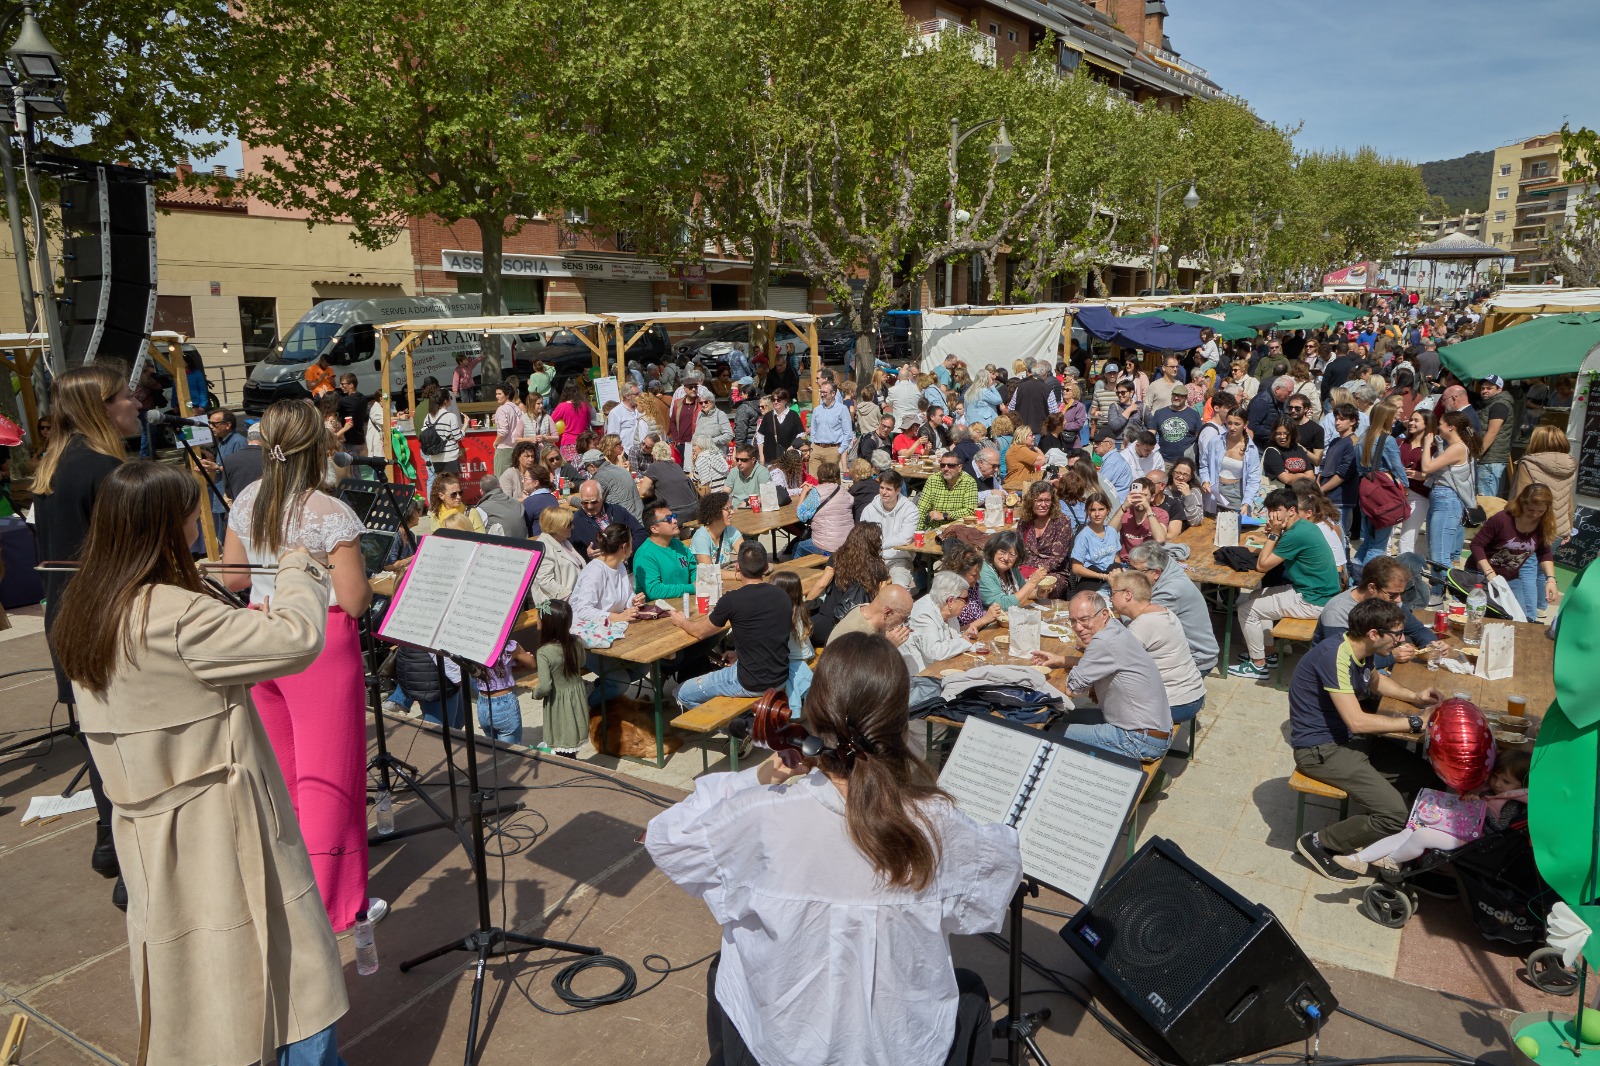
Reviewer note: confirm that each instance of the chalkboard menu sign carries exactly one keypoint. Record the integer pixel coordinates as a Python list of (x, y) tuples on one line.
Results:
[(1589, 444), (1576, 553)]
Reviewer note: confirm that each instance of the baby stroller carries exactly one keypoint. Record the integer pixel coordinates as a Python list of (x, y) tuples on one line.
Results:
[(1501, 888)]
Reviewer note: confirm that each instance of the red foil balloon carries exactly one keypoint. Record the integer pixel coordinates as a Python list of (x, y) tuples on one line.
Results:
[(1460, 745)]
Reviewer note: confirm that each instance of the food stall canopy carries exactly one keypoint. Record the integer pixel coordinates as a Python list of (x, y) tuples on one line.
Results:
[(990, 336), (1552, 302), (1248, 315), (1555, 344), (495, 325), (1455, 247), (694, 317), (1138, 332), (1228, 331)]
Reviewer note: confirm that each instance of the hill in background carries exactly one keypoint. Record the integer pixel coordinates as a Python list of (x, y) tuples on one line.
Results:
[(1462, 183)]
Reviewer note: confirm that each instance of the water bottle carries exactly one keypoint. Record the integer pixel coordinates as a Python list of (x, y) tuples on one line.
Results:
[(366, 947), (1477, 604), (385, 812)]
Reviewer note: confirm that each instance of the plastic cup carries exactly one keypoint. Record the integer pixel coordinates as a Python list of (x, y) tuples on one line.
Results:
[(918, 538), (1516, 705), (703, 604), (755, 504)]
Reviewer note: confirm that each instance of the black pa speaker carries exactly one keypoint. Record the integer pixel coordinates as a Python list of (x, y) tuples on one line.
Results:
[(1216, 975)]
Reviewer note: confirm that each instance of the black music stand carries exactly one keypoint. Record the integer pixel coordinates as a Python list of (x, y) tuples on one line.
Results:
[(486, 940)]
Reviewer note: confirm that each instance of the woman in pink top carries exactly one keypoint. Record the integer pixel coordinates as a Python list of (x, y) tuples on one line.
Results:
[(572, 416), (507, 426), (461, 382)]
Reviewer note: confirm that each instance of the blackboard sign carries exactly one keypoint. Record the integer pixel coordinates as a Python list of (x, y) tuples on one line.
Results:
[(1576, 553), (1589, 444)]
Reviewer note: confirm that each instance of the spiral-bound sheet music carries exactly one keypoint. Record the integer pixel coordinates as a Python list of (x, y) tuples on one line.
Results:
[(1067, 801)]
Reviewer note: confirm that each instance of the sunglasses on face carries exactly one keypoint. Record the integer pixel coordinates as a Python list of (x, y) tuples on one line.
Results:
[(951, 466)]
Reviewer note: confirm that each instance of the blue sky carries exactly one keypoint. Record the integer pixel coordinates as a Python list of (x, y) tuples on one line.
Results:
[(1418, 79)]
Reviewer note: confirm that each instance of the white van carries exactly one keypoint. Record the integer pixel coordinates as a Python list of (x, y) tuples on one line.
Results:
[(346, 331)]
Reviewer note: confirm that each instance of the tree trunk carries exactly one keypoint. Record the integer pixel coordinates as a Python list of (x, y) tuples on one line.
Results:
[(492, 235), (760, 281)]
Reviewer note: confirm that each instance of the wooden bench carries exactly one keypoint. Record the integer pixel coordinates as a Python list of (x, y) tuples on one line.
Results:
[(1304, 786), (1287, 633), (713, 717)]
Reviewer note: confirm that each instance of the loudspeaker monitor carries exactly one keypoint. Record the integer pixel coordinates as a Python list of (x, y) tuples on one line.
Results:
[(1216, 975)]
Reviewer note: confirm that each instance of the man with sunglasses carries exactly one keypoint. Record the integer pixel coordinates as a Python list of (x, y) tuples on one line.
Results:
[(1309, 433), (1331, 734), (747, 476), (951, 496), (663, 567), (1383, 578)]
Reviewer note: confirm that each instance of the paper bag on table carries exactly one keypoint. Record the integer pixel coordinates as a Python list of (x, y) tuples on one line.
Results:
[(1024, 626), (1496, 651), (1227, 529), (769, 496)]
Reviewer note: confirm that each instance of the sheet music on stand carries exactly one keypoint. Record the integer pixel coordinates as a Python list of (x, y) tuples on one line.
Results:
[(1067, 801), (461, 594)]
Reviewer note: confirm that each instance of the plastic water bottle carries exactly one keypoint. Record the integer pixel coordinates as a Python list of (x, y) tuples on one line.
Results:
[(366, 946), (1477, 604), (385, 812)]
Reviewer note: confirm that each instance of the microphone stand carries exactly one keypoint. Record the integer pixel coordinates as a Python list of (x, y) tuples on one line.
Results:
[(1018, 1027)]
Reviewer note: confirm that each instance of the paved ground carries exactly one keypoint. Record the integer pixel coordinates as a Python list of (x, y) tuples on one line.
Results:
[(574, 871)]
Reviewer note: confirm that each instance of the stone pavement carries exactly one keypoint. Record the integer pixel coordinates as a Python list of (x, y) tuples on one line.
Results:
[(573, 870)]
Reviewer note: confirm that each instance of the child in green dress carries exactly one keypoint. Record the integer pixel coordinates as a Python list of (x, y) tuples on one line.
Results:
[(561, 686)]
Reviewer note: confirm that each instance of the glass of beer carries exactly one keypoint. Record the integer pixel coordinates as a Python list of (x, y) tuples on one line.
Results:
[(1516, 705)]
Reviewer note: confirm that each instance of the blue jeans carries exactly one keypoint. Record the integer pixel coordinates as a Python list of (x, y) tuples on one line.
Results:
[(1374, 542), (1527, 586), (399, 697), (1490, 476), (500, 717), (318, 1049), (1185, 711), (809, 547), (799, 684), (724, 682), (1091, 729), (434, 711), (1445, 511)]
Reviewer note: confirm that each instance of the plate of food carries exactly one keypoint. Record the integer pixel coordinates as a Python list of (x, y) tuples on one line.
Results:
[(1506, 736), (1048, 582)]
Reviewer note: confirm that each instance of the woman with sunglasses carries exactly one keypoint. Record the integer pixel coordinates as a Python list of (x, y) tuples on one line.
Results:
[(445, 501)]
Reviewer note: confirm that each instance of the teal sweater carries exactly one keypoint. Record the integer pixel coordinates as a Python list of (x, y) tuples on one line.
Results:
[(991, 591), (663, 573)]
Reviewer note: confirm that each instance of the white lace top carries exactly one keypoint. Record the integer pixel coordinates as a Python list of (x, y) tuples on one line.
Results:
[(322, 525)]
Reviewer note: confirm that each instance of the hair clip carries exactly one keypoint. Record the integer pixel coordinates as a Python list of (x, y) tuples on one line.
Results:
[(277, 453)]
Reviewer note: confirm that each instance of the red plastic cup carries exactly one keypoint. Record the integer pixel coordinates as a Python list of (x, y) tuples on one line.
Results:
[(702, 604), (917, 538), (1009, 518)]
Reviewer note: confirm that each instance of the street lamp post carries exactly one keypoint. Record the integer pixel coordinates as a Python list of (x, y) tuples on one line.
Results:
[(1191, 200), (1000, 149)]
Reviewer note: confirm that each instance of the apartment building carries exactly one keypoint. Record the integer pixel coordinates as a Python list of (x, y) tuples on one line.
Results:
[(1530, 203), (1470, 223)]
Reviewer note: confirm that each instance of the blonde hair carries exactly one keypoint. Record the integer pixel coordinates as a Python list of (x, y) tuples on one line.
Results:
[(459, 520), (78, 407), (1132, 582), (294, 445), (556, 521)]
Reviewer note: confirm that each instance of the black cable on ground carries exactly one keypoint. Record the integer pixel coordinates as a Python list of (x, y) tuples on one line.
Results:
[(29, 670), (1402, 1034)]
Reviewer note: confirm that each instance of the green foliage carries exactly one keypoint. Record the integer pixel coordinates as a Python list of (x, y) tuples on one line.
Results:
[(1578, 248), (1461, 183), (143, 77)]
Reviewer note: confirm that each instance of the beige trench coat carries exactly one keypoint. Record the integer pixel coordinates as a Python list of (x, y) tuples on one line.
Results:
[(230, 947)]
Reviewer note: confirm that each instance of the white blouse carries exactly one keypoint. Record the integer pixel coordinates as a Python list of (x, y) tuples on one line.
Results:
[(321, 525), (822, 962), (600, 590)]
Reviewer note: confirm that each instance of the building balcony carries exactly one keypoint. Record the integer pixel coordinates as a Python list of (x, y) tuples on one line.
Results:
[(938, 33), (1525, 246), (1172, 59), (1533, 180)]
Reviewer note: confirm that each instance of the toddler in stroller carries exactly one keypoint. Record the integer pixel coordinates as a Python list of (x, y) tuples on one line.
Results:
[(1506, 803)]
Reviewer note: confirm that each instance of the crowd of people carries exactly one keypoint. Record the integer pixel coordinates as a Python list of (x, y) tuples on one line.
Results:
[(1354, 450)]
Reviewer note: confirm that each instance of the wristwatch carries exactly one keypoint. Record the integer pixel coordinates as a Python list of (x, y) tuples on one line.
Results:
[(1415, 722)]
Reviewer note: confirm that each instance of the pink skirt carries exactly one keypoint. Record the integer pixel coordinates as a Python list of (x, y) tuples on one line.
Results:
[(317, 721)]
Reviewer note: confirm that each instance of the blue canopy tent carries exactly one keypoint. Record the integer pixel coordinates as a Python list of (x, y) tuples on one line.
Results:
[(1153, 334)]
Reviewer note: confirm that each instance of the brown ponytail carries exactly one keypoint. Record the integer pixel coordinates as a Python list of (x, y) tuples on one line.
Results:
[(857, 707)]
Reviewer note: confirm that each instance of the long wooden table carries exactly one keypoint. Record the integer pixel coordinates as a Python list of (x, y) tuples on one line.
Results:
[(1203, 569), (648, 643), (753, 523), (1533, 676)]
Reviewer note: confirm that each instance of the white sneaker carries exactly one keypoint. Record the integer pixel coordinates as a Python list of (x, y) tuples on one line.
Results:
[(393, 709), (377, 910)]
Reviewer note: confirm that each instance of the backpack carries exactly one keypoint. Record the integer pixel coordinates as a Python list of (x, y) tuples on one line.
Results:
[(1382, 499), (432, 441)]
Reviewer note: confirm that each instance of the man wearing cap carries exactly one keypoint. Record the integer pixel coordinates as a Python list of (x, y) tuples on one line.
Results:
[(832, 428), (616, 482), (1105, 391), (1115, 470), (1497, 422), (1177, 426), (746, 410)]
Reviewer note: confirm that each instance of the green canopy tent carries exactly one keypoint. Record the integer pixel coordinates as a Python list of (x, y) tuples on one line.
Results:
[(1553, 344), (1300, 315), (1253, 315), (1337, 311), (1230, 331)]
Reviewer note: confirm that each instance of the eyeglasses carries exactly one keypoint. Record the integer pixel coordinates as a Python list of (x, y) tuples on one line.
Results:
[(952, 466), (454, 494), (1090, 618), (1396, 633)]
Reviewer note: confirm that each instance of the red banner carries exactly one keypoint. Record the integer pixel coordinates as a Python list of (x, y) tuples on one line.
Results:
[(1355, 276), (477, 459)]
